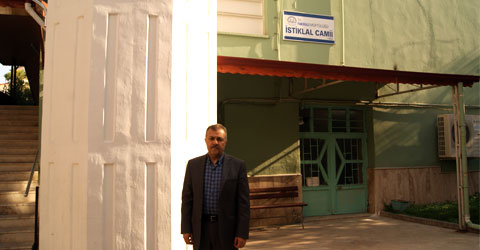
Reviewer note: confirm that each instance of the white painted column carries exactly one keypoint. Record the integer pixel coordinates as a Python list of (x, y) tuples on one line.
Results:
[(194, 91), (64, 139), (127, 98)]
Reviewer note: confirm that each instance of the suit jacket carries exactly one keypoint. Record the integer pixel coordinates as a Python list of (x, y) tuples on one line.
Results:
[(233, 201)]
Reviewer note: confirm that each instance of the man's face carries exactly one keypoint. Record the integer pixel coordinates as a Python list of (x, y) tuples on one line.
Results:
[(216, 142)]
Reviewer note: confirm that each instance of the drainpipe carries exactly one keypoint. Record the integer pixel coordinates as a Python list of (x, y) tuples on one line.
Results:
[(34, 15), (464, 165), (343, 33), (279, 28)]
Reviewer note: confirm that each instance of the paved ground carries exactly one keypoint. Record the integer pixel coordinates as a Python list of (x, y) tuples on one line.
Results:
[(361, 232)]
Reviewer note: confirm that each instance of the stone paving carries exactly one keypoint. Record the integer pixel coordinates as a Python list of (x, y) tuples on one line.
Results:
[(359, 232)]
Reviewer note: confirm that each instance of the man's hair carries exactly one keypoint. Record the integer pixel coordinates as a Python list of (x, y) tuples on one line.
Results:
[(216, 127)]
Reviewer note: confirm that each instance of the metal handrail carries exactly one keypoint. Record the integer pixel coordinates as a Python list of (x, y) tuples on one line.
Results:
[(32, 172)]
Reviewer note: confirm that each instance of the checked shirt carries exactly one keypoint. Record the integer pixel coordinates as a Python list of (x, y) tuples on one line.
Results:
[(211, 185)]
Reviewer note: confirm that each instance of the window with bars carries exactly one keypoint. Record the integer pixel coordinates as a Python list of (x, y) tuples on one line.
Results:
[(319, 120)]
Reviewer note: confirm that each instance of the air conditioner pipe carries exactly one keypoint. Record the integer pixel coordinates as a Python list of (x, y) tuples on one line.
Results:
[(466, 205)]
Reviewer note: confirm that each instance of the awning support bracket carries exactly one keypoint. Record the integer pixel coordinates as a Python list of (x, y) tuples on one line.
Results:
[(397, 90), (321, 85)]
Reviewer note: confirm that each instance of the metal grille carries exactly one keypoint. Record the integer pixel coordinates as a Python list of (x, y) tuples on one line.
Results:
[(314, 159), (349, 161)]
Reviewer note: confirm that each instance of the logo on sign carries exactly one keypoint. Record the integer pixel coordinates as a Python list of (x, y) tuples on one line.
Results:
[(291, 20)]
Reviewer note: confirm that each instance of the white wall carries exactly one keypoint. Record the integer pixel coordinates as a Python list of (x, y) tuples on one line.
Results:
[(127, 98)]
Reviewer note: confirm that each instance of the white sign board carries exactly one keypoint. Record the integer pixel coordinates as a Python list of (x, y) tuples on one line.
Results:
[(308, 27)]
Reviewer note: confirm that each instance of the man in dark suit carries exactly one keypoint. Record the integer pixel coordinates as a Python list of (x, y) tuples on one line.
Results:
[(215, 197)]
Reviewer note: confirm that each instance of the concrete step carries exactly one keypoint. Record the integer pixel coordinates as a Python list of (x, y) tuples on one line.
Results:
[(13, 221), (19, 111), (18, 117), (16, 246), (18, 146), (18, 107), (16, 123), (19, 143), (17, 175), (16, 197), (12, 167), (18, 209), (20, 129), (18, 151), (18, 234), (17, 185), (17, 158), (19, 136)]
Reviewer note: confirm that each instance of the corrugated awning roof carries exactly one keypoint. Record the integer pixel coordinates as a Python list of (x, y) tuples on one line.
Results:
[(248, 66)]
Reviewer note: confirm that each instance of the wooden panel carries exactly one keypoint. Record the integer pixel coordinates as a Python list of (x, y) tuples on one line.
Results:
[(284, 214), (274, 195), (273, 189), (416, 185), (280, 205)]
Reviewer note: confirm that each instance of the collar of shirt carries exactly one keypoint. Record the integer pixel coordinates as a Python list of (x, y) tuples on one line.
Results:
[(219, 162)]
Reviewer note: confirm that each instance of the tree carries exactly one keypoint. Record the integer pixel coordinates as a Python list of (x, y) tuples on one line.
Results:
[(21, 94)]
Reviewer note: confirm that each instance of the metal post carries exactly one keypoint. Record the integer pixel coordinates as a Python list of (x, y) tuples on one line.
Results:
[(458, 157), (463, 149), (462, 164), (14, 80), (466, 194), (11, 81)]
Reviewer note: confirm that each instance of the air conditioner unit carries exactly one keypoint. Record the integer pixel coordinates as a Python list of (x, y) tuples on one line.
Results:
[(446, 135)]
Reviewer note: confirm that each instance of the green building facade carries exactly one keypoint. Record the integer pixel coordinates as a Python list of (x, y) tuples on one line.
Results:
[(353, 146)]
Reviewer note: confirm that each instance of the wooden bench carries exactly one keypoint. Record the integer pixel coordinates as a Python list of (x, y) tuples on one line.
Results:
[(274, 193)]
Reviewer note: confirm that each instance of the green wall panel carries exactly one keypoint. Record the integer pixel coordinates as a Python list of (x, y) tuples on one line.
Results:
[(265, 136), (407, 136), (271, 46), (428, 36)]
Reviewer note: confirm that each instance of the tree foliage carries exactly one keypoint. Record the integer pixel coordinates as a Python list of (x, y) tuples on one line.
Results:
[(21, 95)]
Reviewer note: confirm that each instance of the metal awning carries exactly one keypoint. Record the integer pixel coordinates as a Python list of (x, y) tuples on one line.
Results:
[(248, 66), (338, 74)]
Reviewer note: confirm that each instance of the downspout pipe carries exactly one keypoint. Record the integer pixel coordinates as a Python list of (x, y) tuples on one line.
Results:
[(466, 205), (343, 33), (34, 15), (279, 28)]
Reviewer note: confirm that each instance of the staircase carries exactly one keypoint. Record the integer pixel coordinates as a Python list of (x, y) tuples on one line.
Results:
[(18, 145)]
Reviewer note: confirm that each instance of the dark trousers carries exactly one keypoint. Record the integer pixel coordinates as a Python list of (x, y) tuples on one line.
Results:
[(210, 238)]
